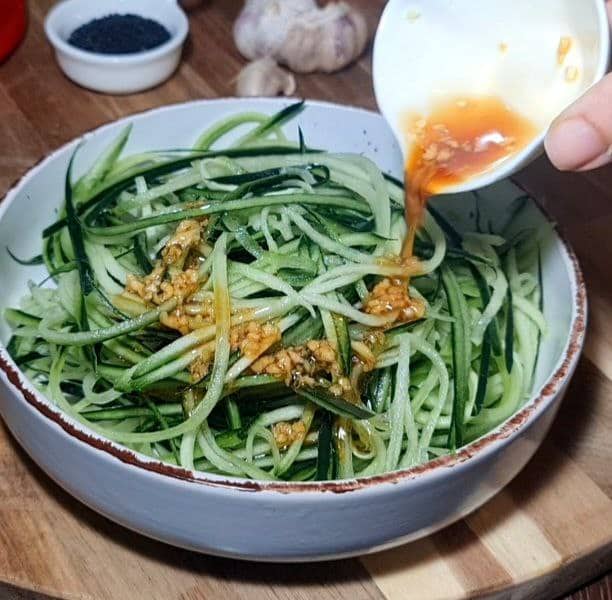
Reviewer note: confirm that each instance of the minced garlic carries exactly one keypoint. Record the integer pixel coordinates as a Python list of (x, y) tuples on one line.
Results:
[(176, 276), (155, 289), (391, 296), (200, 367), (286, 433), (254, 338), (298, 365), (186, 237)]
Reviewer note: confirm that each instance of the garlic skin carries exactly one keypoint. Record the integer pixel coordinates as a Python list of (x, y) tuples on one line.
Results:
[(300, 34), (263, 77)]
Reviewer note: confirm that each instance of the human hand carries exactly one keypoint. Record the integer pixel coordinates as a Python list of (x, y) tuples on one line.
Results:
[(580, 139)]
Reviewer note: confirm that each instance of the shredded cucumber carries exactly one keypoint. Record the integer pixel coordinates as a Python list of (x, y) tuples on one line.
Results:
[(243, 310)]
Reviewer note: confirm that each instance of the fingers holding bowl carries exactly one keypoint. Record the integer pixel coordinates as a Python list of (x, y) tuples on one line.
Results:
[(581, 137)]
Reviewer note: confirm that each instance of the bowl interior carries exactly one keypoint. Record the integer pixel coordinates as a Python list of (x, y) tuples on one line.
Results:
[(71, 14), (33, 203), (510, 49)]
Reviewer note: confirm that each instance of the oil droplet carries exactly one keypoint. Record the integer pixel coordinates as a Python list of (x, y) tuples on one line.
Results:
[(565, 45)]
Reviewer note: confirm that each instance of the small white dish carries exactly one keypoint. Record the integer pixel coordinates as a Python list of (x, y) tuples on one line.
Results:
[(427, 50), (117, 73), (277, 521)]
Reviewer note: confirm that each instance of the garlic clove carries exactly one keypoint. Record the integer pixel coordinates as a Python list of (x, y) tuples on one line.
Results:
[(263, 77)]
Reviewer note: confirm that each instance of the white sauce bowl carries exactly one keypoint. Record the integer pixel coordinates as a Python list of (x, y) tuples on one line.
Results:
[(117, 73), (428, 50)]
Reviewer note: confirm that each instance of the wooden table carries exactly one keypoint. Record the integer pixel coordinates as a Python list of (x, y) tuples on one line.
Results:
[(40, 109)]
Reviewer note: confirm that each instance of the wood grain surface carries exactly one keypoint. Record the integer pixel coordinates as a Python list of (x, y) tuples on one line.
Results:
[(547, 533)]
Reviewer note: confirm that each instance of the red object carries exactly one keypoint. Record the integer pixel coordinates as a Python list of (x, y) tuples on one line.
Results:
[(12, 25)]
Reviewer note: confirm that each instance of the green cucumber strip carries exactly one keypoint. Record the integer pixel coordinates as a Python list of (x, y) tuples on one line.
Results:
[(276, 120), (268, 182), (100, 169), (16, 317), (220, 207), (163, 422), (301, 471), (382, 390), (324, 449), (266, 174), (490, 341), (121, 413), (141, 256), (485, 296), (483, 371), (461, 354), (233, 413), (30, 262), (334, 404), (87, 338), (344, 343), (107, 196), (86, 277), (307, 329), (509, 347), (541, 307)]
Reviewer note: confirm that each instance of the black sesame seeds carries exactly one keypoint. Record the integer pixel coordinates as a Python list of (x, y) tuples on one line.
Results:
[(119, 34)]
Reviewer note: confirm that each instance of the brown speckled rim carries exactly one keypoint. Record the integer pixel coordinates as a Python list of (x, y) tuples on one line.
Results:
[(479, 448)]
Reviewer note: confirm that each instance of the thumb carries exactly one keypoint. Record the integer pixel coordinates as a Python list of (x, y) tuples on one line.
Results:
[(581, 137)]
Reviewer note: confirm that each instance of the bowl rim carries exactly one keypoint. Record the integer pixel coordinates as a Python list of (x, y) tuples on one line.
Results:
[(502, 435), (54, 16)]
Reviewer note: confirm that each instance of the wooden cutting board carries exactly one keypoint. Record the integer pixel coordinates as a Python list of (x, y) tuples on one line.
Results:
[(549, 531)]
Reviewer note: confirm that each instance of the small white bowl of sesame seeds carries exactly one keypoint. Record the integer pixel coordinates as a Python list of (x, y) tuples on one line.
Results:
[(117, 69)]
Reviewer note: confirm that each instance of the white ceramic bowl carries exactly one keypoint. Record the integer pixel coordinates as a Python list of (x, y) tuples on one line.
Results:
[(116, 73), (426, 50), (259, 520)]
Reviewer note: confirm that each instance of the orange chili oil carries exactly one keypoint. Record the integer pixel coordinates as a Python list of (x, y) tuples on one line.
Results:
[(461, 138)]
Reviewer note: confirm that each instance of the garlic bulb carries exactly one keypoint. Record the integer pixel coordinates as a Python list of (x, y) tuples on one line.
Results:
[(300, 34), (263, 77)]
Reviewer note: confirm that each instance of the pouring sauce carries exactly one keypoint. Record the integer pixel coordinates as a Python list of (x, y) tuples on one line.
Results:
[(461, 138)]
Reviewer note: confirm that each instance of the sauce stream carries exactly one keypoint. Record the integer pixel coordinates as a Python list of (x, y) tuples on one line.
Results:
[(460, 139)]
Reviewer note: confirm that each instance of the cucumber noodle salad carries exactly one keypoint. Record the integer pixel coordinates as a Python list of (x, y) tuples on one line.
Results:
[(244, 311)]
